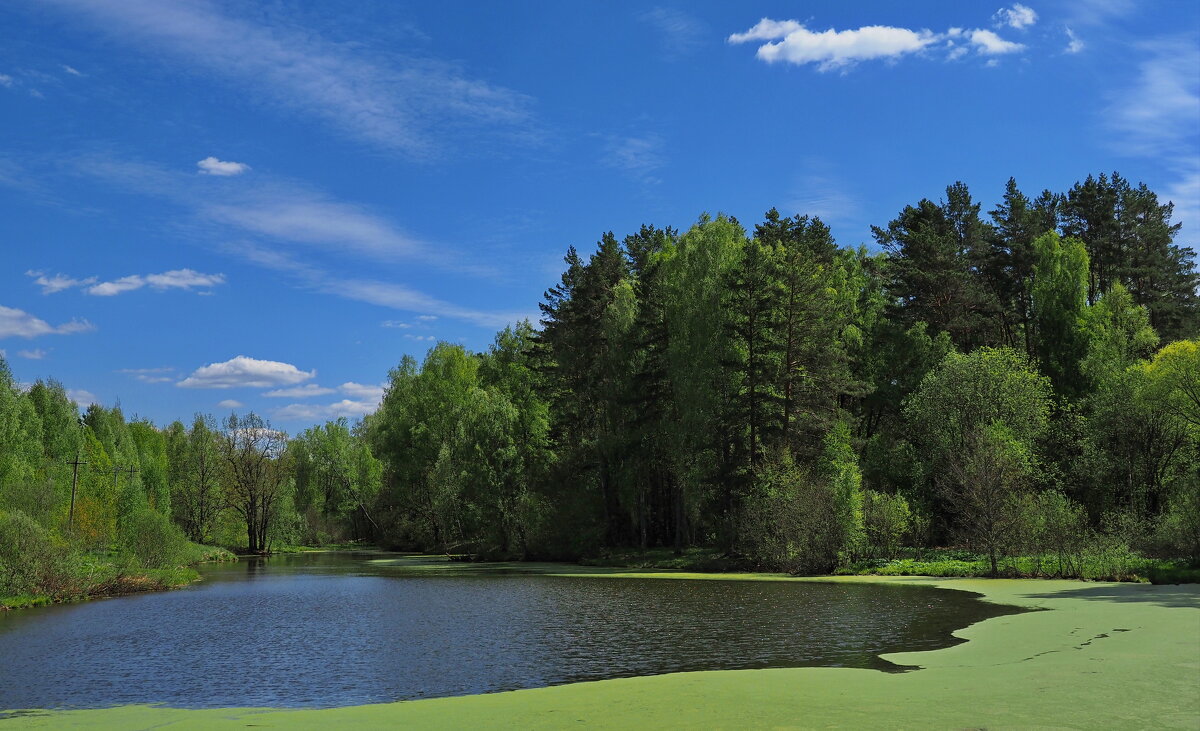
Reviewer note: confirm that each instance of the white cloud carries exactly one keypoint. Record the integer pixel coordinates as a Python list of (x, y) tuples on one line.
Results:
[(317, 412), (423, 338), (990, 44), (82, 397), (58, 282), (427, 318), (362, 391), (362, 399), (175, 279), (117, 286), (18, 323), (681, 33), (306, 391), (638, 157), (1074, 45), (230, 404), (243, 372), (832, 49), (213, 166), (1018, 16), (33, 354), (392, 102), (72, 71), (150, 375), (397, 324), (6, 81)]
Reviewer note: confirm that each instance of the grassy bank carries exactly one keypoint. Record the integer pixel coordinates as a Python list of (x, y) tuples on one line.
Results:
[(1117, 565), (93, 574), (1105, 655)]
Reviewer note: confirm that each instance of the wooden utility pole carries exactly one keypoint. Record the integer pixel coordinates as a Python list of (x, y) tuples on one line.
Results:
[(116, 470), (74, 483)]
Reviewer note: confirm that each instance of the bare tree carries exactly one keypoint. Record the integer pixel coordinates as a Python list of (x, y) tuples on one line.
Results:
[(256, 476)]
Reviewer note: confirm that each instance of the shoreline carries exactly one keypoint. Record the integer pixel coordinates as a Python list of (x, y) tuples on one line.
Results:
[(1106, 654)]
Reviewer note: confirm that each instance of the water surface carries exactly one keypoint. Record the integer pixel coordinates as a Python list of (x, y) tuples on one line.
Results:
[(325, 629)]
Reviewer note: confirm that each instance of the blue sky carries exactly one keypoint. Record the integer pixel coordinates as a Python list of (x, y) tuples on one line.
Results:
[(211, 205)]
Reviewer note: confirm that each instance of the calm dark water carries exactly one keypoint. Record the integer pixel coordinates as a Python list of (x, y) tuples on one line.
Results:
[(343, 629)]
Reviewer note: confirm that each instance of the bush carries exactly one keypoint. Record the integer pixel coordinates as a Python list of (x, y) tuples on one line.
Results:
[(790, 522), (153, 540), (30, 561), (887, 519), (1178, 531)]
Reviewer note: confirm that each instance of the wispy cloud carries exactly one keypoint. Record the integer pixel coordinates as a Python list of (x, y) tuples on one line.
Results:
[(213, 166), (58, 282), (1154, 117), (185, 279), (306, 391), (1155, 113), (1074, 44), (681, 33), (82, 397), (150, 375), (6, 81), (309, 218), (639, 157), (71, 70), (1018, 16), (244, 372), (389, 101), (21, 324), (230, 404), (33, 353), (824, 196)]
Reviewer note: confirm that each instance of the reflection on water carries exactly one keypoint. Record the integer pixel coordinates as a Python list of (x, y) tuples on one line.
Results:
[(340, 629)]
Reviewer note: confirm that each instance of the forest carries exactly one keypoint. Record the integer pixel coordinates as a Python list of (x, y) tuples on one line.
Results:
[(1021, 386)]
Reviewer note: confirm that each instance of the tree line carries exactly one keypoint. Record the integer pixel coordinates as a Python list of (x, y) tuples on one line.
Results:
[(1012, 382)]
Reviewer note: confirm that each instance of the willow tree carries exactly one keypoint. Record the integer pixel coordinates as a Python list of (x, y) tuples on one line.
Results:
[(1060, 299)]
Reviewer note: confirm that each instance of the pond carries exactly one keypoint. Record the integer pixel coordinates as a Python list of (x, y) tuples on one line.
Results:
[(335, 629)]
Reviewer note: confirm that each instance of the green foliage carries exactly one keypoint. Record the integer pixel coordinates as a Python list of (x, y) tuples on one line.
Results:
[(790, 521), (968, 393), (770, 399), (1060, 298), (151, 538), (887, 520), (30, 561)]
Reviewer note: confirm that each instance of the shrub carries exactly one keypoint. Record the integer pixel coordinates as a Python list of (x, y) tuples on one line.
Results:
[(30, 561), (153, 540), (887, 519), (1179, 527), (790, 522)]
